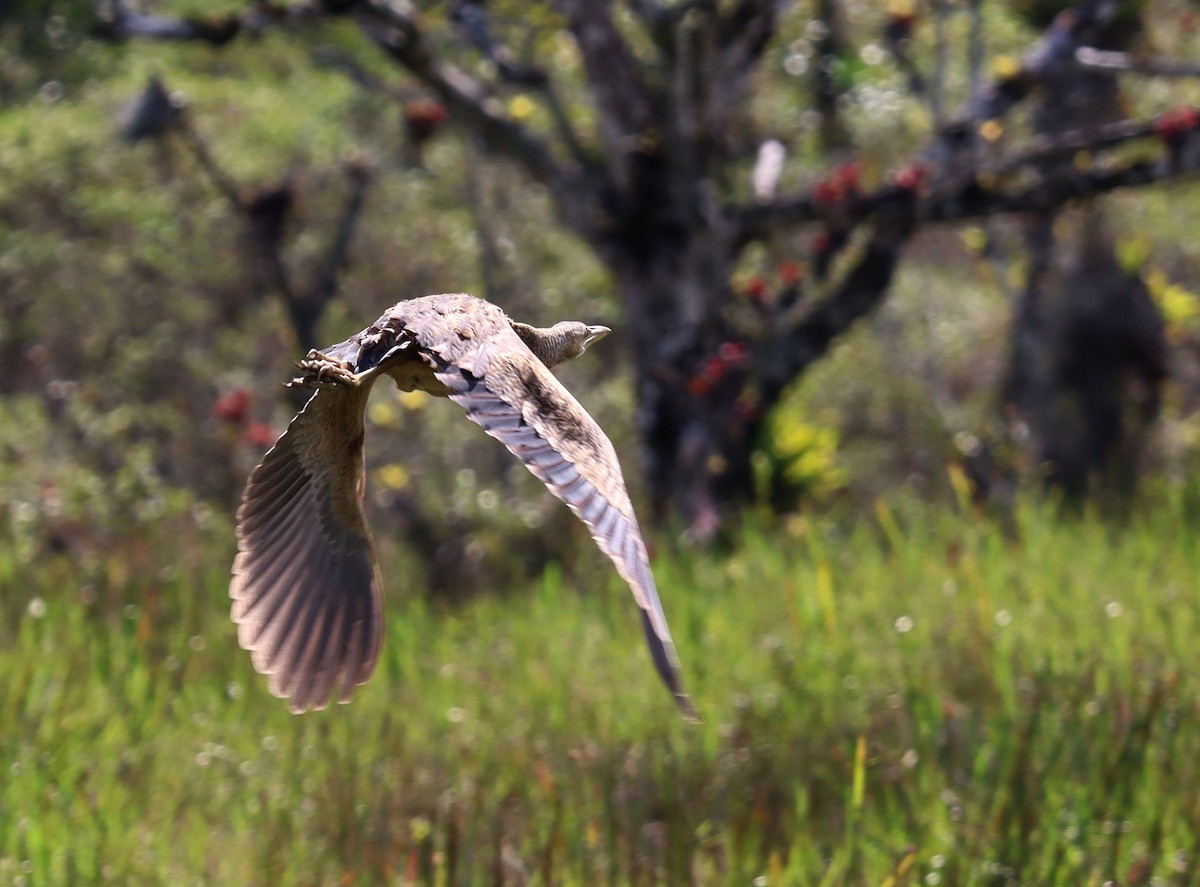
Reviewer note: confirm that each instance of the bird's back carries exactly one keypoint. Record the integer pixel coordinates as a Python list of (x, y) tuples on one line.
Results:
[(451, 326)]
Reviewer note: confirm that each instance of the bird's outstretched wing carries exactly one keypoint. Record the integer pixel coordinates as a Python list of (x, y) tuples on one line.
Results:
[(519, 402), (305, 588)]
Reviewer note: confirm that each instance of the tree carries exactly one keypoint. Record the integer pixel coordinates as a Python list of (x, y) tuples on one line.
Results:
[(1088, 344), (657, 187)]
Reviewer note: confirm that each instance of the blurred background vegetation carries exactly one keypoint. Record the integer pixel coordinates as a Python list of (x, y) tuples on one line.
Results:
[(993, 441)]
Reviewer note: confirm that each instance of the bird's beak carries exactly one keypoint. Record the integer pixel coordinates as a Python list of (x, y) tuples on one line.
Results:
[(595, 334)]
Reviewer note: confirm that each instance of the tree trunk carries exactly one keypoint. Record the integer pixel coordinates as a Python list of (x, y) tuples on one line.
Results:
[(702, 391), (673, 285), (1088, 351)]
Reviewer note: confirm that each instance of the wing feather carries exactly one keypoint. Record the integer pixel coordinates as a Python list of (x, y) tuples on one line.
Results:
[(305, 588), (597, 497), (326, 657)]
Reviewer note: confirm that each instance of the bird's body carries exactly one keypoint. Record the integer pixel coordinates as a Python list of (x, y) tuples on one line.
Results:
[(306, 589)]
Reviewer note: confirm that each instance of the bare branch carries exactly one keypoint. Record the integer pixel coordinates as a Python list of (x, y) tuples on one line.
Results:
[(563, 126), (266, 212), (331, 57), (938, 85), (1119, 62), (623, 100), (1050, 194), (395, 28), (975, 46), (1043, 149), (491, 263), (358, 176), (744, 34), (1056, 47), (862, 289), (965, 197), (228, 188), (897, 35), (118, 23), (472, 18), (830, 44)]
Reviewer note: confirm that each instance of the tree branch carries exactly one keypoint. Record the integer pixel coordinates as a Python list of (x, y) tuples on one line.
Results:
[(265, 213), (743, 36), (395, 28), (861, 290), (563, 126), (359, 176), (1119, 62), (623, 100), (1057, 46), (118, 23), (966, 197), (1042, 149), (223, 183), (937, 87), (330, 57)]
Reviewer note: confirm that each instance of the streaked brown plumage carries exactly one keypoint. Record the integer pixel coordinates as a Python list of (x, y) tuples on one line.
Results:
[(306, 589)]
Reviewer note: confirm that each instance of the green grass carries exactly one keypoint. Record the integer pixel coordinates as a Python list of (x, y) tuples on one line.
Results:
[(912, 700)]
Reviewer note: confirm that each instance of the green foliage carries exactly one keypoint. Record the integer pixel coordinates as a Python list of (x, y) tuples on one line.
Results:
[(911, 698), (45, 38), (1180, 308), (798, 461)]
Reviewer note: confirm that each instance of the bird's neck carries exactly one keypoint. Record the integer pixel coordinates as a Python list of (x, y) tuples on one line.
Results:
[(547, 346)]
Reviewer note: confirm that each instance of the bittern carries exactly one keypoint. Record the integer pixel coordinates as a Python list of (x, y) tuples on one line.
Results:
[(306, 585)]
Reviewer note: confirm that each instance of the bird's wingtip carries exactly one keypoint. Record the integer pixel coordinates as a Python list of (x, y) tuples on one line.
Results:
[(690, 714)]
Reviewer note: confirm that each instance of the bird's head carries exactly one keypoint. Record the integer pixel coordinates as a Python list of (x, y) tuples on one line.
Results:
[(564, 341)]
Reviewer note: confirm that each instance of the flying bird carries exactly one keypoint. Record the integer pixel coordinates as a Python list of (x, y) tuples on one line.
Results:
[(306, 586)]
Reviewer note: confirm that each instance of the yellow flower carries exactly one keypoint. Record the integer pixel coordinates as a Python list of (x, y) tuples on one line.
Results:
[(520, 107), (1005, 67), (383, 413), (1180, 308), (412, 400), (975, 239), (393, 476), (991, 130)]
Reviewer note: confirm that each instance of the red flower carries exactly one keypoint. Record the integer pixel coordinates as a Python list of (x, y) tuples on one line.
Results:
[(698, 386), (733, 352), (1173, 124), (756, 288), (825, 192), (713, 370), (841, 184), (789, 273), (911, 177), (260, 434), (847, 176), (233, 406), (422, 117)]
